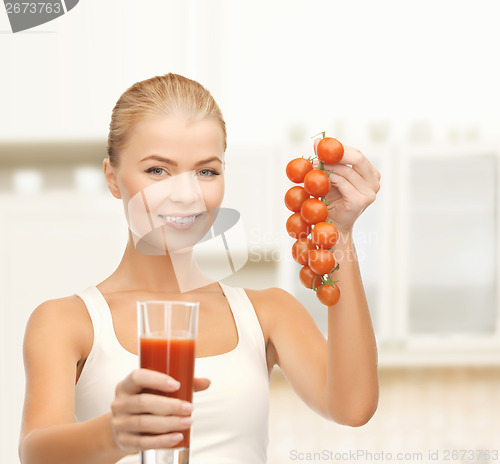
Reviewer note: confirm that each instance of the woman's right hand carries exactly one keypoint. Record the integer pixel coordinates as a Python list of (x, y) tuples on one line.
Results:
[(143, 421)]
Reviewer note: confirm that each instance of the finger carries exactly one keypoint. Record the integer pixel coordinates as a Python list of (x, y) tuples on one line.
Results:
[(316, 141), (353, 177), (148, 423), (347, 190), (146, 403), (140, 379), (361, 165), (129, 441), (200, 384)]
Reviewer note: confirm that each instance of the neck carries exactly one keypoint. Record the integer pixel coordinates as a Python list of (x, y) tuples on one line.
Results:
[(175, 272)]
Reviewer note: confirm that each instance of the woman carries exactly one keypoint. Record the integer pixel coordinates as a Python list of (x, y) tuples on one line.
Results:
[(165, 162)]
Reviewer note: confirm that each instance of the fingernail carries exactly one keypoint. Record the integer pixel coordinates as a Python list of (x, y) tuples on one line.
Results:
[(177, 437), (187, 407), (173, 384), (186, 420)]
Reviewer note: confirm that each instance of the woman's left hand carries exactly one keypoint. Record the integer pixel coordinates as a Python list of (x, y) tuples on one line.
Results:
[(354, 188)]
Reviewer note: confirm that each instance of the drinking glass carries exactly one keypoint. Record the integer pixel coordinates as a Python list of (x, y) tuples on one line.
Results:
[(167, 333)]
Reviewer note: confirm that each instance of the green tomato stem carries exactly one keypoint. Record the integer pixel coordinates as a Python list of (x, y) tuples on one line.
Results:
[(322, 281), (322, 136)]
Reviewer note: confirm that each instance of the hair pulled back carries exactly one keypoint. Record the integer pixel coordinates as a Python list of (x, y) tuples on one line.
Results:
[(160, 95)]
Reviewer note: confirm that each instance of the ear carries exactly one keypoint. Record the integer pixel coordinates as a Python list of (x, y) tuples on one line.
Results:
[(110, 177)]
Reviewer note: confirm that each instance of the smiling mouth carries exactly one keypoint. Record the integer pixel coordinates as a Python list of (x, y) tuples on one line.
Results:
[(180, 219)]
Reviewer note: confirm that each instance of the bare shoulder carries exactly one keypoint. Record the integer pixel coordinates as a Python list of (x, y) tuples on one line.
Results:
[(59, 311), (274, 305), (273, 299), (284, 321), (61, 319)]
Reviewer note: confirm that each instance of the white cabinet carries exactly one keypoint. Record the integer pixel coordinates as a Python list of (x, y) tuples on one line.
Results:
[(445, 306), (451, 245)]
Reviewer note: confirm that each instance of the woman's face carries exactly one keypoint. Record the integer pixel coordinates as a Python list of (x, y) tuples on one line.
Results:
[(170, 177)]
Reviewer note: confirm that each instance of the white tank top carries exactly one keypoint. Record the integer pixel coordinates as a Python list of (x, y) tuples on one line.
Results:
[(230, 418)]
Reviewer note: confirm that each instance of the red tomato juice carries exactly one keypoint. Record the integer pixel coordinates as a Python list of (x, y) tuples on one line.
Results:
[(174, 357)]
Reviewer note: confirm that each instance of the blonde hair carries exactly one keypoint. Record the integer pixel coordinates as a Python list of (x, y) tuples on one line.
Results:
[(159, 95)]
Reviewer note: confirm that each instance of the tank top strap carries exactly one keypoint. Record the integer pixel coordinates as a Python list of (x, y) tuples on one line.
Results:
[(246, 320), (99, 313)]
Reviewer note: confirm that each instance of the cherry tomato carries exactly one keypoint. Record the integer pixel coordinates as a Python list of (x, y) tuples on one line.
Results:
[(295, 197), (308, 278), (321, 261), (297, 227), (317, 183), (297, 169), (324, 235), (328, 294), (330, 150), (313, 210), (301, 249)]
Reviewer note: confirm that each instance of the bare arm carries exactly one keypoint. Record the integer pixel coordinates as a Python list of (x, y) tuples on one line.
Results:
[(87, 442), (337, 377), (49, 435), (352, 379), (351, 375)]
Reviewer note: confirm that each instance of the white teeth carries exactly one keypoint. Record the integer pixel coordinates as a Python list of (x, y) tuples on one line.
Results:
[(179, 220)]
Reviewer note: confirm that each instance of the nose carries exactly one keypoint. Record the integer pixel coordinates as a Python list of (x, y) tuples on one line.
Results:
[(185, 188)]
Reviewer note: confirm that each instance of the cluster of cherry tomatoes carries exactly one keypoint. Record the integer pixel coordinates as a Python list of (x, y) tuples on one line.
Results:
[(309, 224)]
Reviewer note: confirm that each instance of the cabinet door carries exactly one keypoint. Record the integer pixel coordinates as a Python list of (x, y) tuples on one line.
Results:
[(451, 245)]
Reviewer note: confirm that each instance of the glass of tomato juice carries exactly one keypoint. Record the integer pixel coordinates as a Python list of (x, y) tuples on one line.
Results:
[(167, 332)]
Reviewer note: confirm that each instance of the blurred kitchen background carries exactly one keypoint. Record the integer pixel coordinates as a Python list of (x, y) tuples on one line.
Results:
[(413, 85)]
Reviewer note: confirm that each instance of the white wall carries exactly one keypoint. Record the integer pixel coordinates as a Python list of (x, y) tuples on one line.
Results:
[(270, 64)]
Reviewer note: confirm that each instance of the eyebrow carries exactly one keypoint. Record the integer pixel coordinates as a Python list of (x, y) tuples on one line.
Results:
[(173, 163)]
